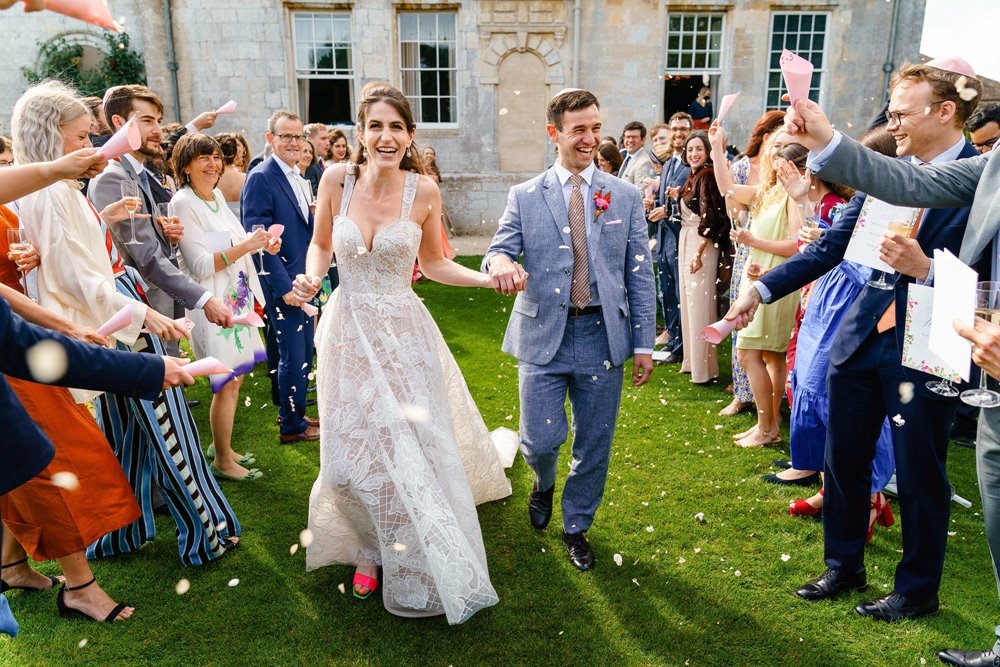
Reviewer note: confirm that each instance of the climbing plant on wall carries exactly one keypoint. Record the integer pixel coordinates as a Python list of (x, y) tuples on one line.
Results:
[(63, 58)]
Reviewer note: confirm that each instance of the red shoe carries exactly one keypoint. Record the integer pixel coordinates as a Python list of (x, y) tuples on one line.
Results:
[(801, 508), (883, 515)]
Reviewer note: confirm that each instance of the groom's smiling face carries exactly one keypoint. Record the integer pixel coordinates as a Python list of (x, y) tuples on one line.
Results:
[(578, 138)]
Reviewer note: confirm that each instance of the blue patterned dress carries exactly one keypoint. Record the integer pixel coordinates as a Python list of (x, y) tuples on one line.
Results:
[(741, 383)]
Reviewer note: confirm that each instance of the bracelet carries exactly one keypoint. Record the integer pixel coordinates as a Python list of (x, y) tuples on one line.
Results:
[(225, 259)]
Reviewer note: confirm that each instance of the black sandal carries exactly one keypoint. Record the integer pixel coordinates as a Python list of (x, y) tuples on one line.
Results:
[(68, 612), (4, 586)]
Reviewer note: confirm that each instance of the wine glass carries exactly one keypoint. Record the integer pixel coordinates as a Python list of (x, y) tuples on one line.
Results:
[(903, 228), (988, 308), (19, 245), (163, 217), (130, 193), (263, 271), (810, 214)]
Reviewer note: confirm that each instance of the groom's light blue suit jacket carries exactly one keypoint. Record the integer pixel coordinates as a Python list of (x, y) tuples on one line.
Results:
[(535, 225)]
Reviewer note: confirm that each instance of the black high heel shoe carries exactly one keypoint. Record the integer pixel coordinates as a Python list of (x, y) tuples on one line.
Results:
[(68, 612), (4, 586)]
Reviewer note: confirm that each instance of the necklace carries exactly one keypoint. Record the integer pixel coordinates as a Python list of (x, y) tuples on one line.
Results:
[(205, 201)]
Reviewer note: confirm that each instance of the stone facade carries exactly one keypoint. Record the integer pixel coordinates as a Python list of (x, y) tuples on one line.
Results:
[(512, 55)]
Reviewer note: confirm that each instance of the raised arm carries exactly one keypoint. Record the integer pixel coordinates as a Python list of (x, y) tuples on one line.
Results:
[(20, 180), (733, 192)]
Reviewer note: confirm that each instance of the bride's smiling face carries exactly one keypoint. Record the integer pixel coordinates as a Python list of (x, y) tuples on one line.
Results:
[(384, 135)]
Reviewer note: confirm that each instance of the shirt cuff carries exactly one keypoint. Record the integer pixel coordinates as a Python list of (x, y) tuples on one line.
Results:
[(765, 294), (817, 161), (929, 280), (191, 128), (642, 350), (203, 300)]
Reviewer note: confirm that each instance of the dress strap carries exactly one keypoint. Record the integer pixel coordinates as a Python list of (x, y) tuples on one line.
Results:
[(409, 194), (349, 178)]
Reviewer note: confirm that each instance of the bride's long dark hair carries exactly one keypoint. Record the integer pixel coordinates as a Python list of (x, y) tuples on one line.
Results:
[(380, 91)]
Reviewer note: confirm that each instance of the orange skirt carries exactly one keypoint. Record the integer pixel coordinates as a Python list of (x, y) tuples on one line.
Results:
[(49, 521)]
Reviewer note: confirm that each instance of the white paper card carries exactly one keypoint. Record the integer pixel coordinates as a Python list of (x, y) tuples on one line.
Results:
[(954, 299), (917, 353), (873, 223), (218, 241)]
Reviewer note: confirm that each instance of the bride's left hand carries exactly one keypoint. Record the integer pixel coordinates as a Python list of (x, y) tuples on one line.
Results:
[(305, 287)]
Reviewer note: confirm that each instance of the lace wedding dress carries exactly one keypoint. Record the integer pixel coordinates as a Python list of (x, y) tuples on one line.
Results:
[(404, 454)]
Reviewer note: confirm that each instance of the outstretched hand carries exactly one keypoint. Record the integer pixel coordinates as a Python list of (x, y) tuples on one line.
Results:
[(795, 182), (745, 308), (174, 374), (84, 163)]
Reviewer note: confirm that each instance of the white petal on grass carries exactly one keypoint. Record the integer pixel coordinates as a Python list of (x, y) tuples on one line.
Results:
[(635, 581), (738, 573), (697, 550), (233, 583), (306, 537), (47, 361), (649, 529), (785, 558), (246, 401), (700, 517), (82, 643), (182, 587), (341, 588), (681, 560), (66, 480), (618, 559)]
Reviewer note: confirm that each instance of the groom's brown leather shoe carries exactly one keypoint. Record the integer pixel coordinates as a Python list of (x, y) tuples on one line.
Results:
[(580, 553), (540, 506)]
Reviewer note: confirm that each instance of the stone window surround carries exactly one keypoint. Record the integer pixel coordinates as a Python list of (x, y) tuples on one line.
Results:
[(431, 8)]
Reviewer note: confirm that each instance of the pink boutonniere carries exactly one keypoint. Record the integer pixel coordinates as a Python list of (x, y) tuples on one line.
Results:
[(602, 200)]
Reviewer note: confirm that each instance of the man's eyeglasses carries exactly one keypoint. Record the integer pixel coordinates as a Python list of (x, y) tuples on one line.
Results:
[(289, 138), (986, 144), (895, 117)]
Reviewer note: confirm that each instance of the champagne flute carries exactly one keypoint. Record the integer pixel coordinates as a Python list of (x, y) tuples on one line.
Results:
[(263, 271), (988, 308), (19, 245), (163, 217), (130, 193), (810, 214), (903, 228)]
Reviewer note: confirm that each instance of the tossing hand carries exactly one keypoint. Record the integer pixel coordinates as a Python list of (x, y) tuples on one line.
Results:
[(904, 255), (84, 163), (204, 120), (164, 327), (174, 374), (217, 313), (642, 369), (985, 338), (809, 125)]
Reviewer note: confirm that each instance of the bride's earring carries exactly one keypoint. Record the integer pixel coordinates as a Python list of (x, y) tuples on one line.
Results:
[(409, 153)]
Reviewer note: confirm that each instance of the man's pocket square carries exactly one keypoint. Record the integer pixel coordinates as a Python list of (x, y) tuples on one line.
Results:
[(613, 222)]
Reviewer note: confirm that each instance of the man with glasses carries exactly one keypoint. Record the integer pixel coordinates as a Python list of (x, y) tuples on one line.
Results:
[(984, 127), (272, 195)]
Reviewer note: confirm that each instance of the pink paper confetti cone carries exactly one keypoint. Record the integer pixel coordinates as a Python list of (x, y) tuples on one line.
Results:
[(797, 73), (206, 366), (310, 309), (716, 333), (228, 107), (94, 12), (117, 322), (250, 319), (725, 104), (276, 231), (126, 139)]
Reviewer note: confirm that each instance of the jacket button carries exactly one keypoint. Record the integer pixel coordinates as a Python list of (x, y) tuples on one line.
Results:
[(566, 271), (563, 306)]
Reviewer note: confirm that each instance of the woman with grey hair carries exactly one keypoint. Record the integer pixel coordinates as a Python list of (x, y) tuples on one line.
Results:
[(83, 278)]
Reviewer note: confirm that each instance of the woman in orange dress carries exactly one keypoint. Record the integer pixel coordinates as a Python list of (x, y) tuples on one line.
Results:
[(47, 521)]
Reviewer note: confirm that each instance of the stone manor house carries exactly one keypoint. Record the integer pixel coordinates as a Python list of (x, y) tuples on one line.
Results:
[(479, 72)]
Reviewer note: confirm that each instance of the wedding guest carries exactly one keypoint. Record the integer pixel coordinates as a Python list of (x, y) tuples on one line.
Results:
[(307, 160), (83, 279), (232, 179), (984, 127), (608, 139), (6, 151), (338, 146), (761, 347), (318, 136), (703, 240), (216, 252), (745, 171), (242, 159), (701, 109), (633, 141), (609, 159), (272, 195), (428, 154)]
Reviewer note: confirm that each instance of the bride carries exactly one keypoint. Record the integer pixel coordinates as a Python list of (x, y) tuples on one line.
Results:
[(404, 453)]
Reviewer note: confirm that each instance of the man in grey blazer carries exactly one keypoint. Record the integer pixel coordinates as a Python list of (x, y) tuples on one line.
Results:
[(972, 181), (170, 290), (590, 304)]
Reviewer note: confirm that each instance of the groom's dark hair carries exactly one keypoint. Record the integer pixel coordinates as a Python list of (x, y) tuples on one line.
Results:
[(571, 100)]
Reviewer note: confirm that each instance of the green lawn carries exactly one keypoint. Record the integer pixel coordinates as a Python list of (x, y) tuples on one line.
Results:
[(717, 592)]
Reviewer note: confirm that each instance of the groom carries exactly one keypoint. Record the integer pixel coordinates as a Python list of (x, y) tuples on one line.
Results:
[(589, 305)]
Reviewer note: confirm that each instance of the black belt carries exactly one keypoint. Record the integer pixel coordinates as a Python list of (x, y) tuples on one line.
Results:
[(589, 310)]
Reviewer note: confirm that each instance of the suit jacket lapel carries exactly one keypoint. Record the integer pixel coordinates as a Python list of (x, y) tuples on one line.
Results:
[(286, 187), (552, 192)]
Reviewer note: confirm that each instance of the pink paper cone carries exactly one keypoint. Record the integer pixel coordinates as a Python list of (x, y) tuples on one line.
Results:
[(310, 309), (716, 333), (276, 231), (228, 107), (727, 101), (92, 11), (118, 321), (206, 366), (797, 72), (126, 139), (250, 319)]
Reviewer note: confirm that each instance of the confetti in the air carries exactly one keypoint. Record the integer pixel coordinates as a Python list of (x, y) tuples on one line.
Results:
[(306, 537), (47, 361)]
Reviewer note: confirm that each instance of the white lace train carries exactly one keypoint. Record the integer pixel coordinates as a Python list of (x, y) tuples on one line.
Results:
[(404, 454)]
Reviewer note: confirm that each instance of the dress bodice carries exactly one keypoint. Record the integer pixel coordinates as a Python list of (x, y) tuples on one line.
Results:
[(387, 267)]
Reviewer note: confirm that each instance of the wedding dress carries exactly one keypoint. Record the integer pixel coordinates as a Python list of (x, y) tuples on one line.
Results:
[(404, 454)]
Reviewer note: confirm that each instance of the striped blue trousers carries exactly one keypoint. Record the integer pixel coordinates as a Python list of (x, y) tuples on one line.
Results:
[(157, 441)]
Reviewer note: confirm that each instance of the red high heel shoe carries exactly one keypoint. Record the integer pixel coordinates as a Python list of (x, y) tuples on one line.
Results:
[(883, 515), (800, 507)]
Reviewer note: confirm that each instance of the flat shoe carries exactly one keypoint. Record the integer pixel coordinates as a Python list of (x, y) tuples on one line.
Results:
[(246, 459), (808, 480), (782, 463), (252, 474)]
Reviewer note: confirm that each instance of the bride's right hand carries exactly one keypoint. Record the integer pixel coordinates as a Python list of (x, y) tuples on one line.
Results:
[(305, 287)]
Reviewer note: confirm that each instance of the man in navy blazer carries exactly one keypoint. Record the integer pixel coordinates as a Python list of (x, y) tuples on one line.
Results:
[(925, 115), (273, 194)]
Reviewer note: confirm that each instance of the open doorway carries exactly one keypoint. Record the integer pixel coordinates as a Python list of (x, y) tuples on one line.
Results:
[(680, 90)]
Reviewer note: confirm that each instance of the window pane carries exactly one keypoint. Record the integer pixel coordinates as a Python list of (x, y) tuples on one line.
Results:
[(713, 60), (673, 61), (446, 27), (687, 42), (674, 42), (806, 23), (686, 61), (675, 23), (701, 23), (302, 57), (303, 28), (699, 60), (821, 23), (716, 23), (427, 27), (409, 52), (428, 56), (411, 83), (323, 29), (428, 83), (445, 56), (445, 83), (408, 27), (428, 110), (342, 31), (779, 23), (324, 57), (688, 24), (343, 59), (448, 109)]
